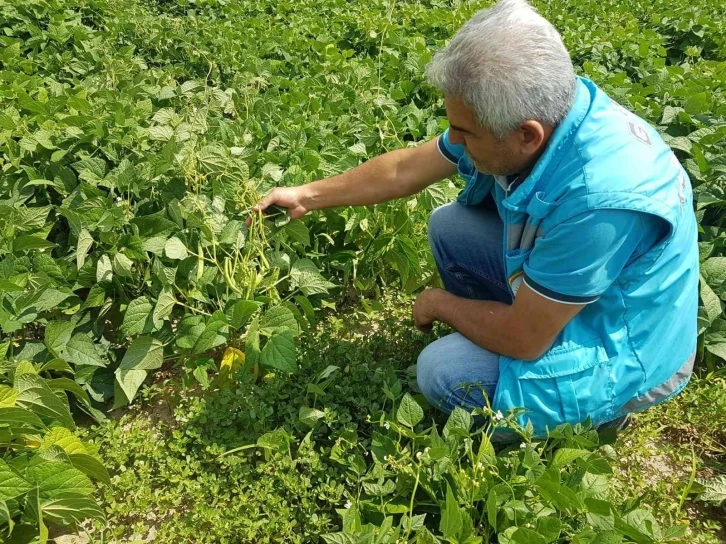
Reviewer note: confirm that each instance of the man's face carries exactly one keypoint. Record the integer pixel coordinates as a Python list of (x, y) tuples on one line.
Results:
[(489, 154)]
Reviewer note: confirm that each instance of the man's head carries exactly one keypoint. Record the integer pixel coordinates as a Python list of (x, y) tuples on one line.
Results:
[(508, 81)]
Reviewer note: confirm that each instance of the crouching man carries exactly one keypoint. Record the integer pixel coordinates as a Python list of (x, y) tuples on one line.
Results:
[(569, 260)]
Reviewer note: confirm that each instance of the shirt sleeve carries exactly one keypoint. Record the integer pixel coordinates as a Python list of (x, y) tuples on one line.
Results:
[(580, 258), (451, 152)]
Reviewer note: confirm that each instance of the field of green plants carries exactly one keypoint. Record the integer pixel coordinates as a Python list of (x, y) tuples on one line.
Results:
[(168, 374)]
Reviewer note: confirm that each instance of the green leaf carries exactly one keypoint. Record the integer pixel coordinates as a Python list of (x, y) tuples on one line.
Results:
[(549, 527), (70, 508), (127, 384), (189, 330), (298, 232), (213, 335), (640, 525), (175, 249), (80, 350), (565, 456), (66, 384), (137, 318), (714, 271), (309, 415), (122, 265), (145, 353), (278, 319), (279, 352), (306, 277), (11, 483), (526, 536), (104, 269), (162, 133), (20, 420), (23, 243), (599, 514), (6, 517), (64, 439), (8, 395), (458, 424), (35, 395), (711, 302), (90, 466), (451, 522), (409, 412), (164, 307), (240, 312), (492, 508), (57, 335), (54, 479), (712, 489)]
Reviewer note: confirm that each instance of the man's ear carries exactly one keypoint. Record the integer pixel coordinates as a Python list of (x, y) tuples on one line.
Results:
[(532, 136)]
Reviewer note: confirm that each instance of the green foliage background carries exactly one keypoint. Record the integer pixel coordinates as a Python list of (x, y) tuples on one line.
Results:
[(136, 135)]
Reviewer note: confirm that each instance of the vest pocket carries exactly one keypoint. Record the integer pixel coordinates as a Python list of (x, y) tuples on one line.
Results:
[(563, 386)]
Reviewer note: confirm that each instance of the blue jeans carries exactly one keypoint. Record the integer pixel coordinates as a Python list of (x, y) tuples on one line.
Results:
[(467, 245)]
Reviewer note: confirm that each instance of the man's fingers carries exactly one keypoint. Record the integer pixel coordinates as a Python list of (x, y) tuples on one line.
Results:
[(262, 205), (266, 202)]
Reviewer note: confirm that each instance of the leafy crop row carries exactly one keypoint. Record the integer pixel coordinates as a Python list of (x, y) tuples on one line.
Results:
[(136, 136)]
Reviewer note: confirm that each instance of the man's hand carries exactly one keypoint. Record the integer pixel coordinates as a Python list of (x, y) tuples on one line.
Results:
[(424, 309), (293, 198)]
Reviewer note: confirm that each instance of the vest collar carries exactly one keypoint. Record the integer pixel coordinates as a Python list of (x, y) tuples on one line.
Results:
[(561, 139)]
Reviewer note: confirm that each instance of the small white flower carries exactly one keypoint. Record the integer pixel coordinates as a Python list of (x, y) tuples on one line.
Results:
[(498, 416), (365, 453), (418, 455), (387, 425), (119, 199), (347, 505), (522, 445)]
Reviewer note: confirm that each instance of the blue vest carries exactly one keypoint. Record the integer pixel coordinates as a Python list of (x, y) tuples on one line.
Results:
[(634, 346)]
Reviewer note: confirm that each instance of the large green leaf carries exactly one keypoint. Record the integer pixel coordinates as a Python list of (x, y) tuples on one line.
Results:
[(20, 420), (451, 522), (145, 353), (164, 306), (138, 318), (189, 330), (11, 483), (175, 248), (240, 312), (53, 478), (279, 352), (85, 241), (80, 350), (57, 335), (34, 394), (90, 466), (409, 412), (126, 385), (63, 438), (306, 277), (213, 335), (70, 508), (278, 319)]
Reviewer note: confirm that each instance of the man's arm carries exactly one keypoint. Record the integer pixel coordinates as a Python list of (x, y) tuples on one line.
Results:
[(392, 175), (524, 330)]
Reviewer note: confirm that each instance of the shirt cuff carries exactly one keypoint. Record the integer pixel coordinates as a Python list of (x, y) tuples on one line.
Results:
[(557, 297), (445, 152)]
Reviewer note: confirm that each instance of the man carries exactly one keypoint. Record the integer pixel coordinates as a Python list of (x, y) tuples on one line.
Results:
[(570, 258)]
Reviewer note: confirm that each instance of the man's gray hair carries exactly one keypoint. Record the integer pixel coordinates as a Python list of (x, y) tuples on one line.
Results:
[(508, 64)]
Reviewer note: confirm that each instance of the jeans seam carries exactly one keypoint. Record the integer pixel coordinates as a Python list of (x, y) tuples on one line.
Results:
[(477, 273)]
